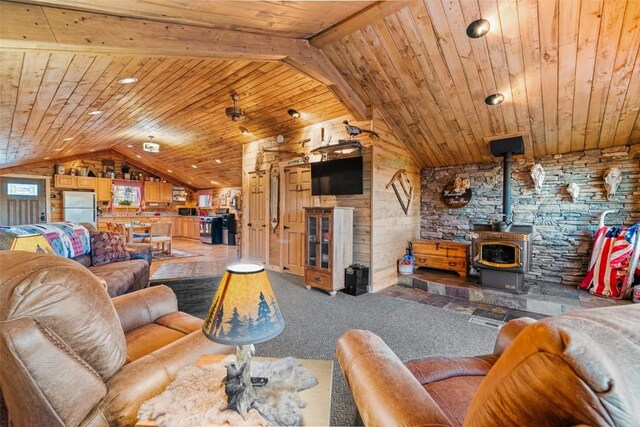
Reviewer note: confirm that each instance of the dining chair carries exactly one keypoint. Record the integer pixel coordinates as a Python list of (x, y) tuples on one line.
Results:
[(160, 233), (111, 226)]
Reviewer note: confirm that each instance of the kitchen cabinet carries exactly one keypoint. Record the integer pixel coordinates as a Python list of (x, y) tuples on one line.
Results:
[(191, 227), (158, 192), (176, 228), (65, 181), (103, 189), (85, 183), (328, 247)]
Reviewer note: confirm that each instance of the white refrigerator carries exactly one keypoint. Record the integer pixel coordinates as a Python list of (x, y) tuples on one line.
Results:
[(79, 206)]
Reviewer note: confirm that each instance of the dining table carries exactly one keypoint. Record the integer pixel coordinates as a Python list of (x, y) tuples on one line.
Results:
[(137, 228)]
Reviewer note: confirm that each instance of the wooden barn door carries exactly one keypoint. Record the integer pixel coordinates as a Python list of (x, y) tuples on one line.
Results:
[(297, 194), (258, 218), (22, 201)]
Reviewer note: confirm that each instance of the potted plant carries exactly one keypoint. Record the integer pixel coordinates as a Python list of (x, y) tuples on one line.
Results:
[(124, 202)]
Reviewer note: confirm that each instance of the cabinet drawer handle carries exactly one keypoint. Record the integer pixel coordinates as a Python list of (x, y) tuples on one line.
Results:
[(317, 278), (422, 260), (452, 263)]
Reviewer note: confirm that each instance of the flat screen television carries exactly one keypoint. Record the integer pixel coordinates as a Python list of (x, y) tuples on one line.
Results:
[(337, 177)]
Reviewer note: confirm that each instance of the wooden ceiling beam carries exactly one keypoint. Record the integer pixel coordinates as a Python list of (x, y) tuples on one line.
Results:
[(34, 27), (358, 21)]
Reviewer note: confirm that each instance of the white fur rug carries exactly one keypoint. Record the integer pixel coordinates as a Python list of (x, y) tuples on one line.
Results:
[(196, 396)]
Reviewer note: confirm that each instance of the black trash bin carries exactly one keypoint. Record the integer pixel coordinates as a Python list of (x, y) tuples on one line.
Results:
[(356, 279)]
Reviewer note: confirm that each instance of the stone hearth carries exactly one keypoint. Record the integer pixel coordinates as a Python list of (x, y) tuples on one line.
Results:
[(548, 299)]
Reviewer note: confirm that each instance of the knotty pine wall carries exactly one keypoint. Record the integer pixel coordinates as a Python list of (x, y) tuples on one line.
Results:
[(381, 229), (362, 203), (94, 165), (392, 228)]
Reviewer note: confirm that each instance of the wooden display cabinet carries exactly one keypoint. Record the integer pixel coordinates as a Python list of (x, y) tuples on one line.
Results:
[(328, 247)]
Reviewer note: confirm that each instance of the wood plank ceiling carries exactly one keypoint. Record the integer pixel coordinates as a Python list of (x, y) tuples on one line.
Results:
[(569, 70), (46, 95)]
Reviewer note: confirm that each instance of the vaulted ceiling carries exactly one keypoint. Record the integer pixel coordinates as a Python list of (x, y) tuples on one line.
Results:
[(569, 71)]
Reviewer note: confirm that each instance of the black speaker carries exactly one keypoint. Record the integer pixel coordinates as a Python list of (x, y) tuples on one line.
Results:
[(513, 145), (356, 280)]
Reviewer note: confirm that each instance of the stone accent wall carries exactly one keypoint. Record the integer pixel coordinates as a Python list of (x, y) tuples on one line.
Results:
[(563, 230)]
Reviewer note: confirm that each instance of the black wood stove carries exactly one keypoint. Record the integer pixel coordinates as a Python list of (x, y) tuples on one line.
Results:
[(502, 251)]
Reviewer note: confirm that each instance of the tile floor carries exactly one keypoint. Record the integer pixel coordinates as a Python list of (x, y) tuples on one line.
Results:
[(459, 304)]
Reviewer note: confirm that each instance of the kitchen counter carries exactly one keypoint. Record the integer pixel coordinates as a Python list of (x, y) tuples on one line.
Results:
[(183, 225)]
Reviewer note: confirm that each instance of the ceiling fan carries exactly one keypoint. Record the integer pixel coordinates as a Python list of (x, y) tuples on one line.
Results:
[(235, 112)]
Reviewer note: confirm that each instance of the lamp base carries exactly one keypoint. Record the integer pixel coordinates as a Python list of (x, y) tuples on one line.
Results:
[(238, 387)]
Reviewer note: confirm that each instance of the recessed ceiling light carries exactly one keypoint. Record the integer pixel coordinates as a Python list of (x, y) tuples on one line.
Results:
[(218, 161), (92, 150), (47, 158), (194, 166), (128, 80), (293, 113), (94, 113), (214, 182), (58, 149), (169, 170), (494, 99), (69, 138), (138, 156), (129, 146), (478, 28)]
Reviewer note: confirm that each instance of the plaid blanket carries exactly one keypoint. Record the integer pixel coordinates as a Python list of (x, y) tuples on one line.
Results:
[(67, 239)]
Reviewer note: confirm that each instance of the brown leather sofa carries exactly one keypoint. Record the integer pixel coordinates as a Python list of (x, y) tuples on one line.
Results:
[(73, 356), (580, 368)]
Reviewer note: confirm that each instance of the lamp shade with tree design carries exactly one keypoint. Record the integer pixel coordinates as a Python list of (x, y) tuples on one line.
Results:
[(244, 311)]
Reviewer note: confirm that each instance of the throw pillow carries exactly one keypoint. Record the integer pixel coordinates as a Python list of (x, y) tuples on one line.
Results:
[(107, 247)]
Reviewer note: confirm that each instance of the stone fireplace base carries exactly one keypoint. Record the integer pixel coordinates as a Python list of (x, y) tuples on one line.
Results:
[(545, 298)]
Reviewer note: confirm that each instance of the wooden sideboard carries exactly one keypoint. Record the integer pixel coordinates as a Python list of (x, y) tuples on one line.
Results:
[(442, 254)]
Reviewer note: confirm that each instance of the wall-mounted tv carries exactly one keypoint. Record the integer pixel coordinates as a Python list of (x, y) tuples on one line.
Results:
[(337, 177)]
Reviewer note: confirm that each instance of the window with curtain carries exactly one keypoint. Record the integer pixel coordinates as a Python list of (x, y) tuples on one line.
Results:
[(126, 195)]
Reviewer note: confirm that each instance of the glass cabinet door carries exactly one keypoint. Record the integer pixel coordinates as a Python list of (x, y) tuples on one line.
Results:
[(324, 242), (312, 231)]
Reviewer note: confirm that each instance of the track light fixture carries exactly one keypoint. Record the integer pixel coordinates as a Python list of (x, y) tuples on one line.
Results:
[(478, 28)]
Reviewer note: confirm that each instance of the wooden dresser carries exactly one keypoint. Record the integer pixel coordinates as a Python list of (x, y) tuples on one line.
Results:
[(442, 254)]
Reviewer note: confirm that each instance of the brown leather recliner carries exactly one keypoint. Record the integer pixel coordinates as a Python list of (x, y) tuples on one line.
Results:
[(580, 368), (73, 356)]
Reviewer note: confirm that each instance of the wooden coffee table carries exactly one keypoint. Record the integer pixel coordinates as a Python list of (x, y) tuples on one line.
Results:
[(318, 398)]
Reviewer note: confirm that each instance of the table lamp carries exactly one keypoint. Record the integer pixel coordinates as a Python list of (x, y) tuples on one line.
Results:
[(244, 311), (25, 242)]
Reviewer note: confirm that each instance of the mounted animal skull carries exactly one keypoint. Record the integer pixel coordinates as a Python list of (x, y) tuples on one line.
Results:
[(537, 176), (612, 179), (574, 191)]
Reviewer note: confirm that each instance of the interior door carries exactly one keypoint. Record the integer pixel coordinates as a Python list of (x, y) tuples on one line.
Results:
[(258, 217), (22, 201), (297, 195)]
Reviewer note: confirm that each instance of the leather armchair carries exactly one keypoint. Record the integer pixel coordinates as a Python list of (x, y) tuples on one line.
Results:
[(73, 356), (580, 368)]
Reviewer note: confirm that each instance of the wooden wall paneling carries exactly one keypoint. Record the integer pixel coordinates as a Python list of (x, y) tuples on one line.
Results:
[(631, 109), (610, 27), (528, 21), (625, 60), (548, 31), (568, 21), (391, 228), (589, 30)]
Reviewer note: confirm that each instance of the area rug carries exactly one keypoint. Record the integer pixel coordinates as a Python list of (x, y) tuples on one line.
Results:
[(175, 253), (196, 397)]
